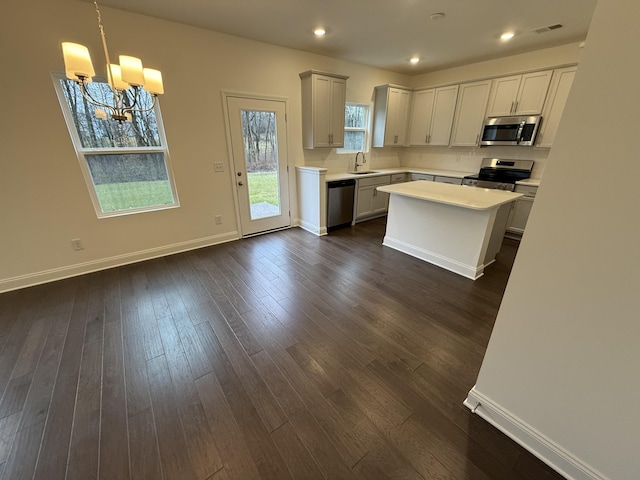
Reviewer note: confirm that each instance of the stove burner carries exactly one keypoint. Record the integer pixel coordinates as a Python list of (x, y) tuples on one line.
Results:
[(499, 174)]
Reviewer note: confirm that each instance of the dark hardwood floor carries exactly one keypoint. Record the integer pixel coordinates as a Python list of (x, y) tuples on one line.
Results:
[(275, 357)]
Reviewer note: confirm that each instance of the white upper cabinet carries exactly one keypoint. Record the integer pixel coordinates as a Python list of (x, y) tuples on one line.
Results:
[(432, 116), (519, 94), (323, 103), (554, 106), (390, 115), (469, 117)]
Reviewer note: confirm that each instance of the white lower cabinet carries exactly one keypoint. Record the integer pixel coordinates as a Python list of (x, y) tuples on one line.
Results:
[(422, 176), (369, 202), (521, 209), (398, 178), (451, 180)]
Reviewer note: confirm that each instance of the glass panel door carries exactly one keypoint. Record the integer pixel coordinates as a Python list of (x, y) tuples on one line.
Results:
[(258, 142)]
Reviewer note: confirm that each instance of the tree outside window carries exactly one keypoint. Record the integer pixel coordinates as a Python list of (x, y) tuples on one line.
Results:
[(126, 165), (356, 128)]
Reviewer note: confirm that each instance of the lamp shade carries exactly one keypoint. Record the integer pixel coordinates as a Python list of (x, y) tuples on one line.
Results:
[(132, 72), (77, 61), (114, 75), (153, 81)]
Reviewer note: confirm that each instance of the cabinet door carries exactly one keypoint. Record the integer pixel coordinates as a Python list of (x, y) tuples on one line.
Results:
[(519, 214), (364, 205), (470, 109), (380, 202), (321, 111), (444, 108), (422, 176), (338, 96), (450, 180), (397, 113), (532, 92), (504, 92), (554, 106), (402, 119), (421, 117), (391, 121)]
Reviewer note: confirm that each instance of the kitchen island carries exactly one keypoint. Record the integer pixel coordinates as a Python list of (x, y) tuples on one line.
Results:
[(456, 227)]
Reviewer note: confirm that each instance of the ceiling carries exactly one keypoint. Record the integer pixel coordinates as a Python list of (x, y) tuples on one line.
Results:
[(386, 33)]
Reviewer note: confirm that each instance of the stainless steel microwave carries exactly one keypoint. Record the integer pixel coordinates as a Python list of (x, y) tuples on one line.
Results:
[(520, 131)]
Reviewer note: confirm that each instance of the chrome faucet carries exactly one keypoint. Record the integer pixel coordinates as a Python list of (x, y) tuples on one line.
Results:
[(364, 160)]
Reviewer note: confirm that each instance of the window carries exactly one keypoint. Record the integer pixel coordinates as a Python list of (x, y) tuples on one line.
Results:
[(126, 165), (356, 126)]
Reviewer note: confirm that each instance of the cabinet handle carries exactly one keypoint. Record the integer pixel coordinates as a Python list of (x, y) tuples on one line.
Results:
[(429, 139), (426, 139), (511, 109), (515, 108), (477, 139)]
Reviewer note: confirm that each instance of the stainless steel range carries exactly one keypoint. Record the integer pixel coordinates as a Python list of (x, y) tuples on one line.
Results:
[(500, 174)]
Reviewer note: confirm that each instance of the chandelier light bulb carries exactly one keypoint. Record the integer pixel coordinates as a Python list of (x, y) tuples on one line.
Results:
[(77, 61), (129, 74)]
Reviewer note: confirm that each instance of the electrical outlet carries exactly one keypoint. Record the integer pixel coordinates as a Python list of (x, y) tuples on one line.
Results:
[(218, 219), (76, 244), (218, 167)]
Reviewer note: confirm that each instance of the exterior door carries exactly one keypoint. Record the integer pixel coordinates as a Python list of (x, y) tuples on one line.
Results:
[(258, 134)]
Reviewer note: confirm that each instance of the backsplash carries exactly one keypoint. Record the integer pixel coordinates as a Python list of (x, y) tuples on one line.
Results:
[(468, 159), (344, 162), (457, 159)]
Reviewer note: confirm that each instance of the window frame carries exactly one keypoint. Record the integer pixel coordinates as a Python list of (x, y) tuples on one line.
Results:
[(81, 153), (365, 129)]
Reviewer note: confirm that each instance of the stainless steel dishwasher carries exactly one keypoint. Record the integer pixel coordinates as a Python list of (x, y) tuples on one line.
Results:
[(340, 195)]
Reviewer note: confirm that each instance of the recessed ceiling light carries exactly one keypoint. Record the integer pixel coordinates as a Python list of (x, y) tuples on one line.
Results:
[(414, 60), (506, 36), (319, 31)]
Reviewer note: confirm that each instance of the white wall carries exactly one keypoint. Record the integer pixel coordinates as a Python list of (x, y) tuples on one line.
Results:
[(564, 355), (43, 198), (538, 60)]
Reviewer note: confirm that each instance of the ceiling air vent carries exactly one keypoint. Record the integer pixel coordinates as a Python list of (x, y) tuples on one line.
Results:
[(547, 28)]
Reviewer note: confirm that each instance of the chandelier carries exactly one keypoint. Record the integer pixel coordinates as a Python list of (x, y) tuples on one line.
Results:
[(128, 75)]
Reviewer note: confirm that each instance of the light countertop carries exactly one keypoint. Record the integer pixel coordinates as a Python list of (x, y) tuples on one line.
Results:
[(531, 182), (390, 171), (330, 177), (466, 197)]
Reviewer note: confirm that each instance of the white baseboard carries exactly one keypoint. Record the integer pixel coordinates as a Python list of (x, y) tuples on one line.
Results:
[(313, 228), (37, 278), (468, 271), (537, 443)]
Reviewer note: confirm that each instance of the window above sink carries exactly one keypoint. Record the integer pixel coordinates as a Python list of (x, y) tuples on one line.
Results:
[(356, 129)]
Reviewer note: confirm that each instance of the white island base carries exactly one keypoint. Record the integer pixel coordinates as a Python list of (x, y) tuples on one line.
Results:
[(456, 227)]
